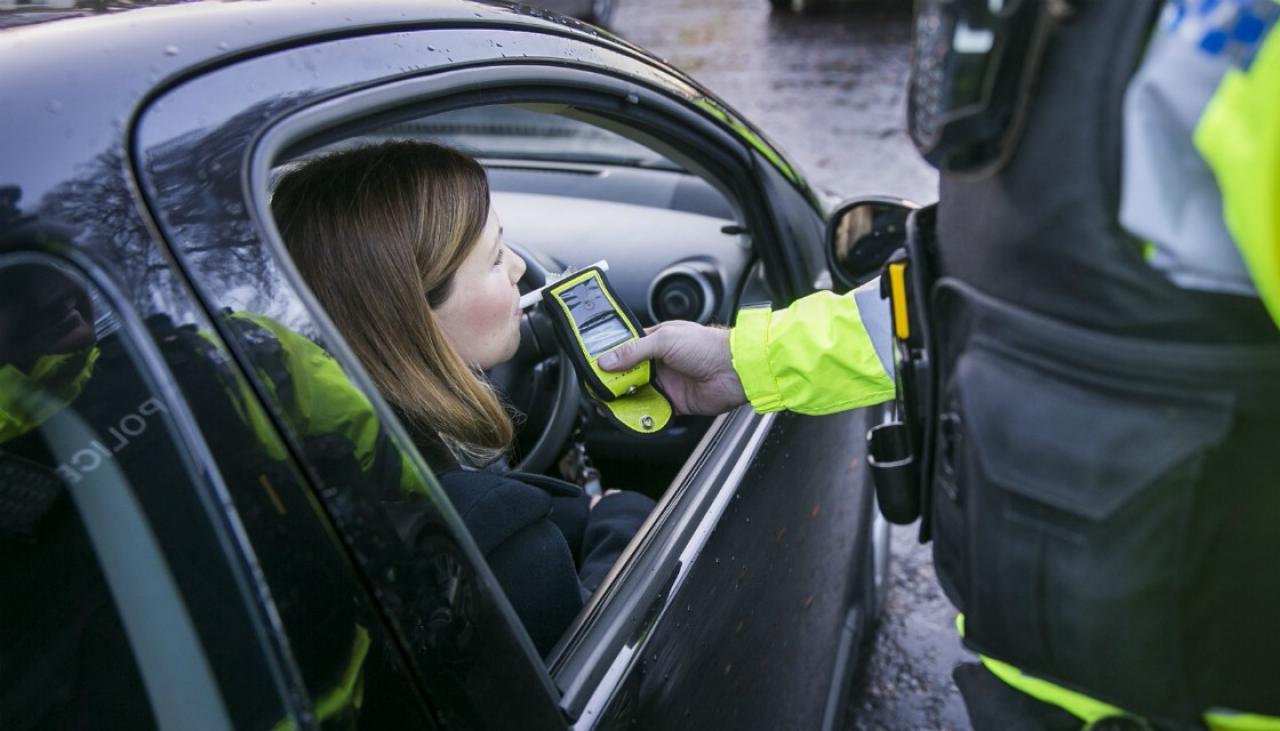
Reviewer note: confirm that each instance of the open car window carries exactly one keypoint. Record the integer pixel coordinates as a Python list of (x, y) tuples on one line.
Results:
[(570, 189)]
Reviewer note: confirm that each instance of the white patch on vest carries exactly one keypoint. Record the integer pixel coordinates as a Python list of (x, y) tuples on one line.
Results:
[(968, 40)]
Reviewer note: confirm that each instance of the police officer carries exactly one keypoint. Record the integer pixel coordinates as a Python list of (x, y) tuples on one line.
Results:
[(1099, 290)]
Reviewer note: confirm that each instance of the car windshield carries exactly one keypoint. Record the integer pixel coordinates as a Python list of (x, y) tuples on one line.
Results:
[(516, 133)]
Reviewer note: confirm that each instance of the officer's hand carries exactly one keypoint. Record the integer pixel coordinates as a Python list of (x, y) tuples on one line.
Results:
[(691, 365)]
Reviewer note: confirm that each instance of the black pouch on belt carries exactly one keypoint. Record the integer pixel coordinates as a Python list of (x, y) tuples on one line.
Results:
[(1105, 508)]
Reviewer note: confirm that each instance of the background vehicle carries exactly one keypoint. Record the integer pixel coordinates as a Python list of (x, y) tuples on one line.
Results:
[(597, 12), (819, 6), (139, 153)]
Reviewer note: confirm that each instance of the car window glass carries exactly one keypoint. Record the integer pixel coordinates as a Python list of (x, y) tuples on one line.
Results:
[(350, 665), (80, 436), (82, 432)]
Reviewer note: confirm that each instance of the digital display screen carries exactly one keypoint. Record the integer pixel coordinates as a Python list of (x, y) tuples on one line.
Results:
[(604, 333), (601, 327)]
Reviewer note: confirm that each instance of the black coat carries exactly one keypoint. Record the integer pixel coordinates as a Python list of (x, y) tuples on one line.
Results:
[(548, 549)]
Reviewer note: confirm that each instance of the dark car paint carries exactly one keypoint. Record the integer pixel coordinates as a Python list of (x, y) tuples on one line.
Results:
[(167, 41), (767, 616), (74, 88)]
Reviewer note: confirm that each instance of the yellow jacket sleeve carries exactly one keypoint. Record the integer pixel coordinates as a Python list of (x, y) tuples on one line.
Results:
[(818, 356)]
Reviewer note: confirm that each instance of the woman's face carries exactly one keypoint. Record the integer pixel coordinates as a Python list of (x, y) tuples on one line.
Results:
[(481, 315)]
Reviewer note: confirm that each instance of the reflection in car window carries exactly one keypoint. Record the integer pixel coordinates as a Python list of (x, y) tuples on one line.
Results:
[(79, 425), (74, 418), (349, 664)]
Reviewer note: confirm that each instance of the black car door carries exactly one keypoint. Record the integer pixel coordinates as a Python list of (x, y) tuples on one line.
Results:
[(741, 600)]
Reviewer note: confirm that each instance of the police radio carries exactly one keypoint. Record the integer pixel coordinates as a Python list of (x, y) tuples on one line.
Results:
[(590, 320)]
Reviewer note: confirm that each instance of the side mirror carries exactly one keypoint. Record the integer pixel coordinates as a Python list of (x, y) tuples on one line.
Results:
[(861, 235)]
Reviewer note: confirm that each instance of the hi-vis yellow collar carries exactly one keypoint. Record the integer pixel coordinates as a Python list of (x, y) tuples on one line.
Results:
[(27, 400)]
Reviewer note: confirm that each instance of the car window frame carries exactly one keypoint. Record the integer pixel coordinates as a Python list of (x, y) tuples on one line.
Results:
[(593, 654)]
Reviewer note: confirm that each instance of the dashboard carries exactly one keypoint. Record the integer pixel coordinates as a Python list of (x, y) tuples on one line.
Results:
[(674, 246)]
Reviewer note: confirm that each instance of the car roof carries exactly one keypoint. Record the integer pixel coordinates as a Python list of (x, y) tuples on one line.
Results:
[(129, 51), (127, 31), (77, 76), (35, 12)]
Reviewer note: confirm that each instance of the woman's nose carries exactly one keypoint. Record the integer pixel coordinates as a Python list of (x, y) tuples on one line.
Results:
[(517, 267)]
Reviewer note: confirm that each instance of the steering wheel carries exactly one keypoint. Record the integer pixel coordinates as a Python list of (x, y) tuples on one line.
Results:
[(538, 381)]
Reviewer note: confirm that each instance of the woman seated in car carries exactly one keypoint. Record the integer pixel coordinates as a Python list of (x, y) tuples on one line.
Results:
[(402, 247)]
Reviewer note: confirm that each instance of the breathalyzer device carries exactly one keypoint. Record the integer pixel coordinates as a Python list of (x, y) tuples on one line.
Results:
[(590, 320)]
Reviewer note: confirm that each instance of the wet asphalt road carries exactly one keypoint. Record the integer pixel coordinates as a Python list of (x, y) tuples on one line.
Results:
[(829, 91)]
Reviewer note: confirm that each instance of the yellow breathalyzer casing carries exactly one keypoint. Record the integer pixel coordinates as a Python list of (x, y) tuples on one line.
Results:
[(590, 321)]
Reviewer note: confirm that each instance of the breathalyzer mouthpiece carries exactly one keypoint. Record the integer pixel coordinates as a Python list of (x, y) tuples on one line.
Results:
[(532, 298)]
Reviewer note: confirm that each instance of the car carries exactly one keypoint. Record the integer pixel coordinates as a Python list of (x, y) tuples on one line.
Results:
[(203, 554)]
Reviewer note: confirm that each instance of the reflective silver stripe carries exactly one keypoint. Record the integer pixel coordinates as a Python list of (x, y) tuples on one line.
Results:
[(175, 670), (878, 320), (1169, 195)]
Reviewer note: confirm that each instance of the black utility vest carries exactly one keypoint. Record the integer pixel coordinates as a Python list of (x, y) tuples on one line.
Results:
[(1105, 504), (1043, 232)]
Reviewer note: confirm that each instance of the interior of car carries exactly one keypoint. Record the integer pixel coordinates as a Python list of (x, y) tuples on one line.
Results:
[(573, 188)]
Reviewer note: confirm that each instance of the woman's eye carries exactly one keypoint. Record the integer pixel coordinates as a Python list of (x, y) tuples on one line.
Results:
[(501, 253)]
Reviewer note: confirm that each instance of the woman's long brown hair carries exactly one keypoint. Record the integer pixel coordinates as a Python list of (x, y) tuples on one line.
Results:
[(378, 233)]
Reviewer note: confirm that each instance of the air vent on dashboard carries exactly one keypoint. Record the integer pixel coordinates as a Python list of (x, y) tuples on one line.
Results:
[(684, 292)]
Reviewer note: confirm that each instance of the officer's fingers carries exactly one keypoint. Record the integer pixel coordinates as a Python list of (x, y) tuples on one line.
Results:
[(628, 354)]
